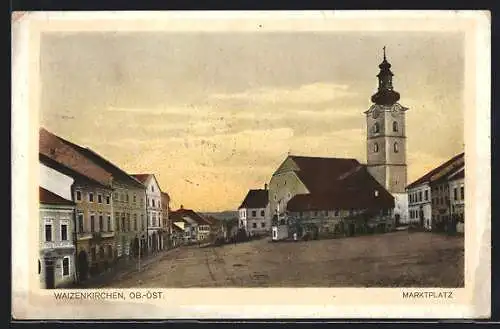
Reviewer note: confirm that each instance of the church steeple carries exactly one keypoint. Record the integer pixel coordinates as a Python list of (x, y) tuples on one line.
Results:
[(385, 94)]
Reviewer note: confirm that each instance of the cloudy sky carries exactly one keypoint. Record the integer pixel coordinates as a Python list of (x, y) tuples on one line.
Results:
[(214, 114)]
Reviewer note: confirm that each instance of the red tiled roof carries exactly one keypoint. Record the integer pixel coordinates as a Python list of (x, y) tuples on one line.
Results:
[(454, 162), (68, 171), (48, 197), (58, 150), (356, 189), (108, 166), (255, 199), (179, 213), (320, 174), (141, 177)]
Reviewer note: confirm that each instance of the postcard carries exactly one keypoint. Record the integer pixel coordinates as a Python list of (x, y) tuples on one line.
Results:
[(285, 164)]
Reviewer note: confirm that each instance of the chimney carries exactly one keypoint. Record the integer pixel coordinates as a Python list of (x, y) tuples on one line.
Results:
[(182, 206), (265, 186)]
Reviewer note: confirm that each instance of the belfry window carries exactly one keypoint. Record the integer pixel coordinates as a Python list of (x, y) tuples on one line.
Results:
[(395, 126), (375, 147), (376, 128), (396, 147)]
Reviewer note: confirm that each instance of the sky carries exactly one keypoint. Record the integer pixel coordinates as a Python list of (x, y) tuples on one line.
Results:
[(212, 115)]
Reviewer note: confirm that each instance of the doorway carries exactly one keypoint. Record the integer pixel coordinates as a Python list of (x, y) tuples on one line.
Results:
[(49, 274), (83, 265)]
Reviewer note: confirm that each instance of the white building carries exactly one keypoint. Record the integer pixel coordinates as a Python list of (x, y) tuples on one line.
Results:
[(419, 204), (457, 198), (154, 211), (254, 212)]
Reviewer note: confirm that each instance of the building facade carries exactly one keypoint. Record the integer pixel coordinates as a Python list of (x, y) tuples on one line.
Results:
[(92, 193), (457, 198), (386, 141), (166, 227), (419, 205), (431, 196), (154, 210), (56, 263), (254, 212)]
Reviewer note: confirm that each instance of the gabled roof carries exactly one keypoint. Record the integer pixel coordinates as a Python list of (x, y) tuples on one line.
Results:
[(48, 197), (434, 174), (57, 149), (116, 172), (255, 199), (182, 212), (175, 227), (141, 177), (355, 189), (45, 160), (320, 174)]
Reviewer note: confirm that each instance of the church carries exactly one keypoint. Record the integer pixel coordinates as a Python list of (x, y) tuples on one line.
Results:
[(329, 196)]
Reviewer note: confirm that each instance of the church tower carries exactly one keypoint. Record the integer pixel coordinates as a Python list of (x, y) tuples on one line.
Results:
[(386, 140)]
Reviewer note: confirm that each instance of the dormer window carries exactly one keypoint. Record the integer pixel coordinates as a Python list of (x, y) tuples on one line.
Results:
[(376, 193)]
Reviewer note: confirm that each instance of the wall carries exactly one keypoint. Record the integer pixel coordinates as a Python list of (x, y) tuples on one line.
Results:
[(56, 216), (55, 181), (284, 186)]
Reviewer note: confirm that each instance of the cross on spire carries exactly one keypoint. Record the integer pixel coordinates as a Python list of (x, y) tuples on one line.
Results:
[(384, 52)]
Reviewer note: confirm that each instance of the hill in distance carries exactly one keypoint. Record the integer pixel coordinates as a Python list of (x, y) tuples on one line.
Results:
[(222, 215)]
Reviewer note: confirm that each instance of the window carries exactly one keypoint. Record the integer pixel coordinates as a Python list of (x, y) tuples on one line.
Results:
[(315, 213), (101, 223), (396, 147), (64, 232), (128, 223), (325, 213), (462, 196), (65, 266), (336, 212), (262, 213), (395, 126), (135, 222), (108, 199), (142, 222), (152, 188), (110, 228), (117, 221), (263, 225), (376, 193), (420, 196), (92, 253), (39, 267), (241, 223), (376, 128), (126, 197), (91, 197), (153, 202), (254, 225), (116, 197), (92, 224), (80, 222), (375, 147), (455, 194), (123, 222), (134, 198), (78, 196), (254, 213), (48, 232), (99, 198), (426, 195)]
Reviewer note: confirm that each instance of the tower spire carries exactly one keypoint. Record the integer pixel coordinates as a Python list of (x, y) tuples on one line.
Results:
[(385, 94)]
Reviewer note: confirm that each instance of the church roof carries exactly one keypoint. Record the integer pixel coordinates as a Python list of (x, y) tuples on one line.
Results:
[(320, 174), (255, 199), (439, 171), (353, 189)]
